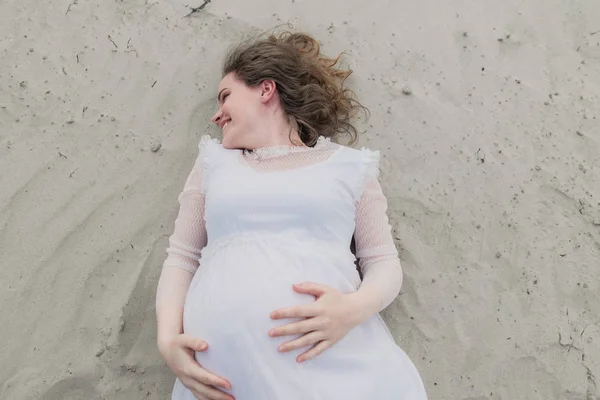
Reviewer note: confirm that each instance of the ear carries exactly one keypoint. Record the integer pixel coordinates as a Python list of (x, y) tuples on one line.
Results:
[(268, 88)]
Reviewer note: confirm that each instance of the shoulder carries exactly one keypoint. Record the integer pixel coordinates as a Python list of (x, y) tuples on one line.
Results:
[(361, 155), (209, 146), (207, 142), (212, 154), (364, 161)]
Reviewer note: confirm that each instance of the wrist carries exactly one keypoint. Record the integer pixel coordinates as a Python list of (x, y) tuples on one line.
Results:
[(364, 305), (164, 341)]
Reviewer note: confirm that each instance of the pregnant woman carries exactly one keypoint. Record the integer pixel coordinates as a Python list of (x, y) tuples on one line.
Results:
[(259, 297)]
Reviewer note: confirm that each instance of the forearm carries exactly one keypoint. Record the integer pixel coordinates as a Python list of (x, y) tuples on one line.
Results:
[(170, 300), (382, 280)]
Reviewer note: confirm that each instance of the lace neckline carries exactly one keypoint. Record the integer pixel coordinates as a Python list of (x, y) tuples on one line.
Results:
[(265, 153)]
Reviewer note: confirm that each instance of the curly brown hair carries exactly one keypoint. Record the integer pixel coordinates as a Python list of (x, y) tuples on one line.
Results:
[(309, 84)]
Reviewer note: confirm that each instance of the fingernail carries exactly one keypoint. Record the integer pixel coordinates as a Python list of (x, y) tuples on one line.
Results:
[(203, 346)]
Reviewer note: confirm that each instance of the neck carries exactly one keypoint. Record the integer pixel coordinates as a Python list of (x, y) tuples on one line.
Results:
[(277, 130)]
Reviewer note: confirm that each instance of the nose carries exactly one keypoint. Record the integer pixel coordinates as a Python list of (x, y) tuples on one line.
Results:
[(217, 117)]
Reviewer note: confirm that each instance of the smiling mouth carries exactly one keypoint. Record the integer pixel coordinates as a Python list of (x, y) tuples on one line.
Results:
[(225, 124)]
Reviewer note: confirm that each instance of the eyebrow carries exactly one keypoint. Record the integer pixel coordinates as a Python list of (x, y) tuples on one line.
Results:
[(219, 95)]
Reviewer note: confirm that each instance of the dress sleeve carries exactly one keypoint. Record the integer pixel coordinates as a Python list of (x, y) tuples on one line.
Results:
[(375, 248), (187, 240), (189, 236)]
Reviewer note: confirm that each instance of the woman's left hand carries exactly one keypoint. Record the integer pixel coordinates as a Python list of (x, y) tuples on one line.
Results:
[(326, 321)]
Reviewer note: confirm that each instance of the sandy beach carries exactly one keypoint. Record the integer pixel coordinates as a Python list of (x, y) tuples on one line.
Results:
[(487, 115)]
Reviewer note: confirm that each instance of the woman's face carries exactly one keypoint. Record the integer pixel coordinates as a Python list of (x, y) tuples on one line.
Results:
[(238, 113)]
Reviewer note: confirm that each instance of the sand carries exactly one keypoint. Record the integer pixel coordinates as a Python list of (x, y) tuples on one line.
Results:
[(487, 116)]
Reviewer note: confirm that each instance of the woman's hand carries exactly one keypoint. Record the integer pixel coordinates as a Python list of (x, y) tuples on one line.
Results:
[(178, 352), (327, 320)]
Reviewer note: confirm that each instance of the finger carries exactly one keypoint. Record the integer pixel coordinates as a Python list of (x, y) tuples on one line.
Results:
[(316, 289), (306, 340), (197, 395), (194, 371), (314, 351), (192, 342), (304, 311), (214, 394), (203, 392), (295, 328), (211, 379)]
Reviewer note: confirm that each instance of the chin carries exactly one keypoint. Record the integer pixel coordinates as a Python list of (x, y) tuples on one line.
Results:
[(226, 142), (233, 141), (229, 143)]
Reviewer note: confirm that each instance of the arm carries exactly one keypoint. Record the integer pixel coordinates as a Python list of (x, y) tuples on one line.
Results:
[(333, 314), (185, 244), (377, 254)]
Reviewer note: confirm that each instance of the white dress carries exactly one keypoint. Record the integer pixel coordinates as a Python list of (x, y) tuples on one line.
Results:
[(263, 221)]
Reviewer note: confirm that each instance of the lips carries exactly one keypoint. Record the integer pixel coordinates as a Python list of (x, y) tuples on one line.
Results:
[(225, 124)]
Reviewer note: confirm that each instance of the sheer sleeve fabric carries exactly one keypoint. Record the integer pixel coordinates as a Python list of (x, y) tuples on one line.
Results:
[(375, 249), (186, 242), (189, 235)]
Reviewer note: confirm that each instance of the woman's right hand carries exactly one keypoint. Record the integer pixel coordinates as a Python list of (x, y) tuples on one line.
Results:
[(178, 352)]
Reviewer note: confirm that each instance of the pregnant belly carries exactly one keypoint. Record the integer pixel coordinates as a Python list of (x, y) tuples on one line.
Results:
[(228, 305), (241, 282), (237, 286)]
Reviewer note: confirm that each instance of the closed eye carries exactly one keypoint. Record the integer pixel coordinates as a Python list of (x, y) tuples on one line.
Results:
[(221, 96)]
